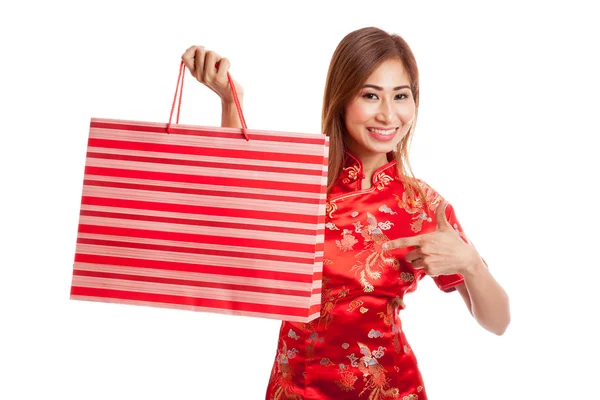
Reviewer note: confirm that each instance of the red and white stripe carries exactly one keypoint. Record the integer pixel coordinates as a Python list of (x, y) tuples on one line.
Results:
[(201, 219)]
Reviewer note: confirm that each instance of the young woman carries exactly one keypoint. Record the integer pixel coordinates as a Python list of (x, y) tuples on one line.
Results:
[(385, 230)]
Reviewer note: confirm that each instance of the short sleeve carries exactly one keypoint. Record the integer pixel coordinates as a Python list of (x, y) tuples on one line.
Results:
[(448, 283)]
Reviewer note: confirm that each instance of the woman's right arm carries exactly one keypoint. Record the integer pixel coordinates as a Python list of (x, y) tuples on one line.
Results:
[(201, 64)]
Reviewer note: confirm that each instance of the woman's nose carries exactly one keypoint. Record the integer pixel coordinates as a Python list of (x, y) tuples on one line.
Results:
[(385, 113)]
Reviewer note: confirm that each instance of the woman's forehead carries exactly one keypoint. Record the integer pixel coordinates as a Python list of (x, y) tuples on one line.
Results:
[(389, 75)]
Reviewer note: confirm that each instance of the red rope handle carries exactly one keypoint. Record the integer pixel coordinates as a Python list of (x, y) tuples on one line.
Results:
[(180, 89)]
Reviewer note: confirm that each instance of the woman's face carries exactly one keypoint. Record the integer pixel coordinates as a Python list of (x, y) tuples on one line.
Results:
[(382, 113)]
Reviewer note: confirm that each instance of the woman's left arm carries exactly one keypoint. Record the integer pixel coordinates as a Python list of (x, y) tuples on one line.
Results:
[(447, 252), (485, 298)]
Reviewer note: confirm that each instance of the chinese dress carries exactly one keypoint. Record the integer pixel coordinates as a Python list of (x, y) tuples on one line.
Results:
[(356, 349)]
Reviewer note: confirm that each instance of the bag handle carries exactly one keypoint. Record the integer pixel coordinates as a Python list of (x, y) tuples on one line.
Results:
[(180, 89)]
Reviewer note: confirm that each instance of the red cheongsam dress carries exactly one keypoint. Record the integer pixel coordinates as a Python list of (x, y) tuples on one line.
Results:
[(356, 349)]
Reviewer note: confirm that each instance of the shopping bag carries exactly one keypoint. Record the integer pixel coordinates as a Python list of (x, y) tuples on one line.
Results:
[(202, 218)]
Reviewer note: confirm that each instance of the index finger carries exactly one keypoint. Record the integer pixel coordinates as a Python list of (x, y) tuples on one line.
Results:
[(402, 242), (188, 58)]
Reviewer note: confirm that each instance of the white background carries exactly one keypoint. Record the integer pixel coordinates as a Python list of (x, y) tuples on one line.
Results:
[(507, 132)]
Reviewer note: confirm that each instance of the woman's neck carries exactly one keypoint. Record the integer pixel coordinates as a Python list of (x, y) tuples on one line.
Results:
[(371, 162)]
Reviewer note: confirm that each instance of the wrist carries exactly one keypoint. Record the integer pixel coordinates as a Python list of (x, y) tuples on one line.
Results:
[(474, 267), (227, 101), (228, 105), (230, 117)]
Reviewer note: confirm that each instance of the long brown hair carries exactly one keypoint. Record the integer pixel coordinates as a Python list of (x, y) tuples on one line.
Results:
[(355, 58)]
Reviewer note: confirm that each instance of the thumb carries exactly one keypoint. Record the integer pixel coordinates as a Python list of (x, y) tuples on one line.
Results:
[(440, 217)]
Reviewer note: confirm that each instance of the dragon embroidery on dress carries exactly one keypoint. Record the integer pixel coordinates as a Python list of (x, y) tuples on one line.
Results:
[(377, 259), (283, 377), (413, 204)]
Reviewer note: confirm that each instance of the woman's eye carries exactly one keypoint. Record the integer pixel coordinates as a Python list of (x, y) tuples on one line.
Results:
[(373, 96)]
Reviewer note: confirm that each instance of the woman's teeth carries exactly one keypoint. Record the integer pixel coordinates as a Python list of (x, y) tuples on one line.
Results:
[(382, 131)]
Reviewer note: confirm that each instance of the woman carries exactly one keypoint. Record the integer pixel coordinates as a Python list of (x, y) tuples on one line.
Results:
[(385, 230)]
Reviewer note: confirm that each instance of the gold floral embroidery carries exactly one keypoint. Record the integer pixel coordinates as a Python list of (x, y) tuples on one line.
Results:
[(357, 226), (411, 397), (383, 180), (352, 173), (354, 304), (348, 242), (389, 319), (374, 374), (407, 276), (283, 377), (377, 259), (347, 379), (330, 208), (413, 204), (329, 299)]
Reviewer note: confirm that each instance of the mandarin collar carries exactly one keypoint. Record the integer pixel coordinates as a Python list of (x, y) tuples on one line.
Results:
[(353, 173)]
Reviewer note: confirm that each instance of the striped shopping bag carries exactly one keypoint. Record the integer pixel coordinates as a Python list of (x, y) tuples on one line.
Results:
[(202, 218)]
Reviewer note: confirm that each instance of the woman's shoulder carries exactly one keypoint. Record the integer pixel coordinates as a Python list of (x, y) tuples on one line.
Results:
[(412, 187)]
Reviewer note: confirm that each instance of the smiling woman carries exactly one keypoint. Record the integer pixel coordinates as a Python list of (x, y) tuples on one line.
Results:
[(380, 116), (357, 345)]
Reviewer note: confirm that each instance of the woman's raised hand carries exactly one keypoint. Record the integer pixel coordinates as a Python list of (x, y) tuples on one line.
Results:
[(202, 64)]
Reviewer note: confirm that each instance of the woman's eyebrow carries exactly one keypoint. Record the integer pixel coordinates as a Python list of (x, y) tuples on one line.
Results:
[(380, 88)]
